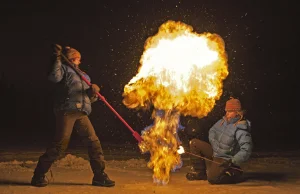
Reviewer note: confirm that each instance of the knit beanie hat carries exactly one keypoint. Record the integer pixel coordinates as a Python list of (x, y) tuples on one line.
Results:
[(233, 105), (72, 53)]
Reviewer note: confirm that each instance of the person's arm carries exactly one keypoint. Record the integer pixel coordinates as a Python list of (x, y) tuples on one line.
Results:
[(244, 139), (211, 134), (56, 72)]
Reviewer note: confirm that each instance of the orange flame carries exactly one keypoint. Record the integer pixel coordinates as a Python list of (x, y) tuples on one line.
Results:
[(181, 72)]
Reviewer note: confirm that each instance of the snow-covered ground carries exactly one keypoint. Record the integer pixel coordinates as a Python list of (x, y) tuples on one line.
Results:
[(268, 172)]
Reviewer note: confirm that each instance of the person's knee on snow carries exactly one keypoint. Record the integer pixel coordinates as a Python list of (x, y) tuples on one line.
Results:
[(192, 144), (198, 166)]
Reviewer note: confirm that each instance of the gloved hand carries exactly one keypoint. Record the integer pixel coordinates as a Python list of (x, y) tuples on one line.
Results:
[(91, 92), (226, 164), (95, 89), (57, 50)]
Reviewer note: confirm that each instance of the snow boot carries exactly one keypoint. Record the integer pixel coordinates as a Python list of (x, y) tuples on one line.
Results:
[(191, 176), (39, 181), (101, 179)]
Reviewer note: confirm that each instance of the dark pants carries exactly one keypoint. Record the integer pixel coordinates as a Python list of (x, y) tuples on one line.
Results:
[(215, 174), (65, 121)]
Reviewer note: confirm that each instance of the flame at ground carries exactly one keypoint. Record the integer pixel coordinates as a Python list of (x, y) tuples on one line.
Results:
[(160, 140), (182, 72)]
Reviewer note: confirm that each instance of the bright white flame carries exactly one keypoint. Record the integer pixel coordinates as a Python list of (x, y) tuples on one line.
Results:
[(179, 57), (180, 150), (181, 72)]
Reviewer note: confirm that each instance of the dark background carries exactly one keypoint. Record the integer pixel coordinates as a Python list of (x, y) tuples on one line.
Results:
[(261, 40)]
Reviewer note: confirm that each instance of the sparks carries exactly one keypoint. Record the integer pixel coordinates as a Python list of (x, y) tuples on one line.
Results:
[(182, 73)]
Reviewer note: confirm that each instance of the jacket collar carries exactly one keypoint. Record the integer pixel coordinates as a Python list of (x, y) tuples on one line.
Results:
[(232, 120)]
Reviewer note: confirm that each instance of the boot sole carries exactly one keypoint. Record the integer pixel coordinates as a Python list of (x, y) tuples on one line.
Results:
[(195, 178), (103, 185), (44, 185)]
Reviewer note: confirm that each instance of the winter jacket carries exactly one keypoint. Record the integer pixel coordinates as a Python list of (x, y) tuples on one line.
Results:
[(70, 94), (231, 140)]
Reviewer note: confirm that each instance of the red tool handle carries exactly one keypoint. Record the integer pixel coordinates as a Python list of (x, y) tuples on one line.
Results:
[(134, 133)]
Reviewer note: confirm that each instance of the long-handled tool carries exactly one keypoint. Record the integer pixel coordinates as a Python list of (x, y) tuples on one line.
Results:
[(210, 160), (134, 133)]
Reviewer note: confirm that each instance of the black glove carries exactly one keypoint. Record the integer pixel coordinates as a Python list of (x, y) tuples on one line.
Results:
[(226, 164)]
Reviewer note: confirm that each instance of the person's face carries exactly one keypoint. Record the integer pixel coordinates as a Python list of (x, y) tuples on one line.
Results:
[(76, 61), (230, 114)]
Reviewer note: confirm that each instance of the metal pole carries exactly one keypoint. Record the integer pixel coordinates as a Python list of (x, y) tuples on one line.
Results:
[(211, 160)]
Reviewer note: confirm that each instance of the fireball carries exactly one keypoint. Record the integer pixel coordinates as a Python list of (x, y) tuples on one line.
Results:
[(181, 72)]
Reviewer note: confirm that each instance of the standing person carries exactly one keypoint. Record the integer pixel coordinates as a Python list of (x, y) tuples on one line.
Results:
[(230, 146), (72, 105)]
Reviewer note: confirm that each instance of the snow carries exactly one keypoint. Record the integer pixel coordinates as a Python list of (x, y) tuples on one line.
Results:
[(265, 173)]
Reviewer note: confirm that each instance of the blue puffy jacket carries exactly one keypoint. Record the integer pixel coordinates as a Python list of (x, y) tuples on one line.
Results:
[(70, 94), (231, 140)]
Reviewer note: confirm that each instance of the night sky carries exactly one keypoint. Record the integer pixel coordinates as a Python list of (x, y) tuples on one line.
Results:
[(260, 38)]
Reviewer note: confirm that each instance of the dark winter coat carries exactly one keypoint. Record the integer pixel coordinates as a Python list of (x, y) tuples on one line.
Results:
[(71, 91), (231, 140)]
